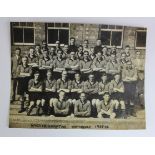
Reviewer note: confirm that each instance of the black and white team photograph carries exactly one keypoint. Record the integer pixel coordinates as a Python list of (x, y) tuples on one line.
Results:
[(72, 75)]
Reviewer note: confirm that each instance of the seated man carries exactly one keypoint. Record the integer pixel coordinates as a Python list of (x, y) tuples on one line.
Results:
[(105, 108), (63, 83), (77, 87), (86, 63), (32, 58), (72, 63), (82, 107), (61, 106), (113, 66), (116, 89), (23, 74), (91, 87), (35, 88), (50, 90), (99, 64), (103, 85), (45, 62), (59, 62), (79, 53)]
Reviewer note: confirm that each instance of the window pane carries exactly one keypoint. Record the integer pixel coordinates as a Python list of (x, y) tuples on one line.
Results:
[(105, 37), (22, 23), (28, 35), (65, 25), (104, 26), (141, 39), (52, 36), (119, 27), (50, 24), (116, 38), (63, 36), (111, 26), (15, 23), (18, 35), (58, 24), (30, 24)]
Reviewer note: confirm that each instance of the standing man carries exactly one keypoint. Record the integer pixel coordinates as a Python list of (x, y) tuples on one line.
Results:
[(24, 72), (129, 77), (82, 107), (98, 46), (72, 46), (15, 62)]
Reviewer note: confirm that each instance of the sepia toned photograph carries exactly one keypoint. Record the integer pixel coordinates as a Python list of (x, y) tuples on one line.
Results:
[(77, 76)]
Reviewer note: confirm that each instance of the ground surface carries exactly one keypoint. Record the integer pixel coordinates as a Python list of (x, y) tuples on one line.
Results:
[(23, 121)]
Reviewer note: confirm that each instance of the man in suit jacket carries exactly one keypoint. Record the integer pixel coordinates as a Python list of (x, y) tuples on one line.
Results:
[(15, 61)]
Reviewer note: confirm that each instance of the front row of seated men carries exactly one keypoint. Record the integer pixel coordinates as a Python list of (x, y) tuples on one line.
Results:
[(70, 98)]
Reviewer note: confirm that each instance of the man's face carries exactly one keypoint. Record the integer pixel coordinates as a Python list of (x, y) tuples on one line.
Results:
[(18, 52), (99, 55), (72, 41), (91, 78), (59, 54), (24, 61), (66, 48), (106, 97), (52, 51), (98, 42), (85, 55), (85, 44), (127, 49), (117, 77), (37, 48), (57, 44), (36, 76), (80, 49), (123, 56), (72, 54), (92, 50), (83, 97), (104, 50), (31, 52), (49, 75), (62, 95), (77, 77), (45, 54), (138, 54), (64, 75), (104, 78), (113, 56)]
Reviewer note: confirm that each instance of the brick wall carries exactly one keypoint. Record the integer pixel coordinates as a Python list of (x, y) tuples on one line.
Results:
[(82, 32)]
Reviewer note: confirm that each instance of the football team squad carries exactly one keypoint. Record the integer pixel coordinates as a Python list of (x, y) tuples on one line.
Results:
[(78, 81)]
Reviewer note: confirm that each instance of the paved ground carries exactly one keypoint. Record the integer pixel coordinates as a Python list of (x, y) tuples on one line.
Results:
[(23, 121)]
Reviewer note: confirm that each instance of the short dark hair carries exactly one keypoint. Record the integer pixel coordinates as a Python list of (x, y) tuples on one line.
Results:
[(19, 49)]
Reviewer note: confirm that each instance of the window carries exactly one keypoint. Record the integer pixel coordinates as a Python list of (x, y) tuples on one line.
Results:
[(58, 31), (22, 33), (140, 38), (112, 35)]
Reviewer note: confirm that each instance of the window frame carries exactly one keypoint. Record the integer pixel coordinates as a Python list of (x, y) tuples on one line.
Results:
[(23, 27), (113, 30), (140, 48), (57, 28)]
